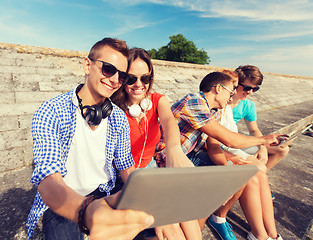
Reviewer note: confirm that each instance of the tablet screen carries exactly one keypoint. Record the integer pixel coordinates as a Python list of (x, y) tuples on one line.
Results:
[(173, 195)]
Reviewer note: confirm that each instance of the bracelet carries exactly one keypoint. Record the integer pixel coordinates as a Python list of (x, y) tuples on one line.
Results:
[(81, 213)]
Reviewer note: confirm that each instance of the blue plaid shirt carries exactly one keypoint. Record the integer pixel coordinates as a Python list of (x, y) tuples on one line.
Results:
[(53, 128)]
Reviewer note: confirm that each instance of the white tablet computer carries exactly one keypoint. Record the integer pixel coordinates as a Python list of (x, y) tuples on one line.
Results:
[(175, 195)]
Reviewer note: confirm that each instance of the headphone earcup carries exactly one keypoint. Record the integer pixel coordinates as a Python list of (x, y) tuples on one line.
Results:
[(93, 115), (107, 108), (134, 110), (146, 104)]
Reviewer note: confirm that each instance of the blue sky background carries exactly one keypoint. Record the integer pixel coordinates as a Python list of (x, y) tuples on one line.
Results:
[(276, 36)]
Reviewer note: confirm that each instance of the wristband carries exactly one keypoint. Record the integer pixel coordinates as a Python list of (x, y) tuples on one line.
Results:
[(81, 213)]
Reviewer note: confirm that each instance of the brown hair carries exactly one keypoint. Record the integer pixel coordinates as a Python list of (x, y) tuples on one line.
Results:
[(232, 74), (249, 72), (212, 79), (120, 97), (118, 45)]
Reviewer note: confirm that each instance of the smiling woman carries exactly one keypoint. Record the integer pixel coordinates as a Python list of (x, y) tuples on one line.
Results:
[(144, 111)]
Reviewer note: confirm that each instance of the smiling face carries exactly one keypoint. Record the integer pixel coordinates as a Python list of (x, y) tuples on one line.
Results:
[(100, 87), (137, 91), (241, 94)]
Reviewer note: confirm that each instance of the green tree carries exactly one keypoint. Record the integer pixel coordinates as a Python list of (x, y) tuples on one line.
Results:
[(179, 49)]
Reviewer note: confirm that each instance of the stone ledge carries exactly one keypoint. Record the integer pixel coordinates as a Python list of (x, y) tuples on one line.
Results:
[(82, 54)]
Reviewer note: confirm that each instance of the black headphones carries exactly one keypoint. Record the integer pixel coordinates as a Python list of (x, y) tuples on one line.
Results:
[(95, 113)]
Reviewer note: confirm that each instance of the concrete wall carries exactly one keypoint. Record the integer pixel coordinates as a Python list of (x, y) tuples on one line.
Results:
[(31, 75)]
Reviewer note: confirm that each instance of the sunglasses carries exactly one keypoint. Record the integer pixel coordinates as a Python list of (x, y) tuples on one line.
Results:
[(232, 93), (247, 88), (109, 70), (145, 79)]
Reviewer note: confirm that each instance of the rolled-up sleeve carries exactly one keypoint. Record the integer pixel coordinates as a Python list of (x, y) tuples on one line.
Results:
[(47, 147)]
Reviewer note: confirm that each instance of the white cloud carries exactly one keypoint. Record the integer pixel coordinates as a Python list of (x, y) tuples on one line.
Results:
[(11, 29), (286, 10), (295, 60), (282, 35), (290, 60), (300, 54)]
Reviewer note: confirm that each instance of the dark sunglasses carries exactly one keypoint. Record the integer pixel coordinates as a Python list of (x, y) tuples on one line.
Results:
[(145, 79), (247, 88), (109, 70)]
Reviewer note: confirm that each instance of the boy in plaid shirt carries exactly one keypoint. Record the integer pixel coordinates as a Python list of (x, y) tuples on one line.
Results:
[(197, 116)]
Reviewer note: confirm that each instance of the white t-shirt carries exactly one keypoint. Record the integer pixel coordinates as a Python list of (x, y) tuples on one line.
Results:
[(227, 120), (86, 168)]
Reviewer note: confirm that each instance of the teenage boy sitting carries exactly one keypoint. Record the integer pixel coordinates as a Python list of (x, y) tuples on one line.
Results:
[(197, 114), (250, 80), (78, 138)]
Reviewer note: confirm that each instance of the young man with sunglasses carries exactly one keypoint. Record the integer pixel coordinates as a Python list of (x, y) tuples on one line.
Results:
[(250, 80), (79, 139), (196, 115)]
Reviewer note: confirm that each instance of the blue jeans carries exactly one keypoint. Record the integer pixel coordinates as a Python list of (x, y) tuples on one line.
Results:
[(56, 227), (200, 158)]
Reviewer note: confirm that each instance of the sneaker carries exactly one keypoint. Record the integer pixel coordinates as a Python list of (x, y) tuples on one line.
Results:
[(278, 238), (224, 230), (252, 237)]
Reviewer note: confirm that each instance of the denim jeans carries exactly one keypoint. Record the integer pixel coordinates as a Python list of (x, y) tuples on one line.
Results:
[(56, 227), (200, 158)]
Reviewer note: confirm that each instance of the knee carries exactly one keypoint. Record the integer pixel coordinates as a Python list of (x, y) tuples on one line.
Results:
[(282, 151), (262, 177), (253, 182)]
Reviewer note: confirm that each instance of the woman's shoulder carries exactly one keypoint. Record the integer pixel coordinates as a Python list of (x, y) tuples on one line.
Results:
[(155, 95)]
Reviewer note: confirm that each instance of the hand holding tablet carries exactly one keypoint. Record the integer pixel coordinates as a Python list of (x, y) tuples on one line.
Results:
[(173, 195)]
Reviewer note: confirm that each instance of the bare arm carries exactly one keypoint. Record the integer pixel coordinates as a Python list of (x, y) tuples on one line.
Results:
[(59, 197), (103, 221), (125, 173), (215, 152), (236, 140), (174, 154), (254, 130)]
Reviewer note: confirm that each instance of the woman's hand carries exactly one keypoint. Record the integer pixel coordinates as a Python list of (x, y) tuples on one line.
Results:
[(238, 160), (258, 163), (175, 157), (170, 232)]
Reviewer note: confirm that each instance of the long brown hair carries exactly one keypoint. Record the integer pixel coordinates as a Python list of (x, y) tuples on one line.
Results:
[(120, 97)]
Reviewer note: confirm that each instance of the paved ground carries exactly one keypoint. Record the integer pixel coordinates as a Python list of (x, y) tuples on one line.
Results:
[(291, 182)]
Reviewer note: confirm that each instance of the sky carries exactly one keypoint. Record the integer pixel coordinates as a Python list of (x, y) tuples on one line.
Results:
[(276, 36)]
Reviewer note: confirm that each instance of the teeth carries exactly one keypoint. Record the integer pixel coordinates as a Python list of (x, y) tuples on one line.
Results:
[(138, 91), (108, 86)]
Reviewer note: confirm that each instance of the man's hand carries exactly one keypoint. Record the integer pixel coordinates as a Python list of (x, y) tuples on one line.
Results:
[(170, 232), (107, 223), (175, 157), (274, 139)]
